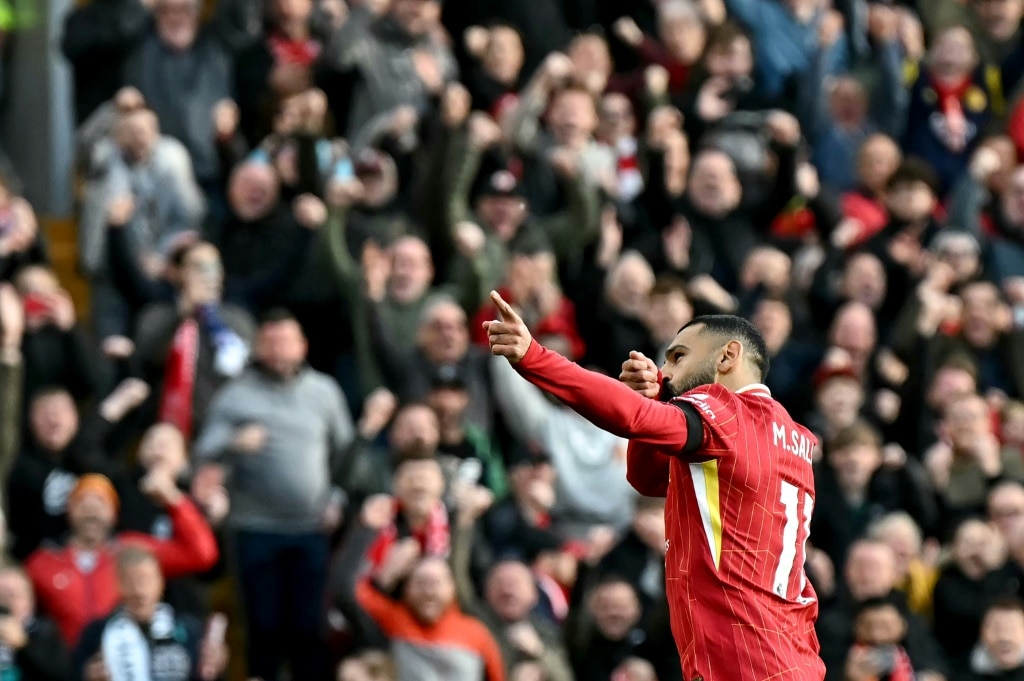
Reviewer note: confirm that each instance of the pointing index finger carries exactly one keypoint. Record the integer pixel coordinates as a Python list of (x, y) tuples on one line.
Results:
[(505, 311)]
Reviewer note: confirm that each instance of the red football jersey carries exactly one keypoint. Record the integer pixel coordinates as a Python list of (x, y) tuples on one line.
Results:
[(737, 517)]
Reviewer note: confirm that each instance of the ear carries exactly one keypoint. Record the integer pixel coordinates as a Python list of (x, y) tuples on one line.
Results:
[(730, 357)]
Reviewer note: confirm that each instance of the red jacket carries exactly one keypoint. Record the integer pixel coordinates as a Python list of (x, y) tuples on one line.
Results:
[(561, 322), (74, 598)]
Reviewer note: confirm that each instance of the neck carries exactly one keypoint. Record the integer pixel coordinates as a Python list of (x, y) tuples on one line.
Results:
[(143, 618), (416, 519), (295, 29), (453, 434), (531, 510), (738, 380), (854, 496), (83, 543), (950, 79)]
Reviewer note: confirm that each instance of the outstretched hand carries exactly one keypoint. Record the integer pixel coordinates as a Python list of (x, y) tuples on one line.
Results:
[(508, 336)]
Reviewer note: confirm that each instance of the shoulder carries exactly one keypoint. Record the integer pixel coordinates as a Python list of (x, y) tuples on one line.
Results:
[(475, 631), (45, 629), (92, 635), (172, 154), (248, 381), (157, 313), (714, 403), (191, 626), (236, 317), (44, 559), (321, 385)]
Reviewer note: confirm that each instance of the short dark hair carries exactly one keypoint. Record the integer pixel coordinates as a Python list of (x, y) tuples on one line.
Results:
[(731, 327), (666, 284), (131, 555), (724, 35), (1005, 603), (276, 315), (879, 602), (960, 361), (860, 432), (45, 391), (913, 171)]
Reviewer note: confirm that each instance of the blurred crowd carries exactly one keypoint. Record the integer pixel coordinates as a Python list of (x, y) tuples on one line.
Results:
[(278, 417)]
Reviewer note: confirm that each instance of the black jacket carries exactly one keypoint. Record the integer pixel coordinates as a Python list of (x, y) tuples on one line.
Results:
[(835, 525), (97, 39), (58, 358), (38, 490), (960, 604), (1010, 675), (835, 634), (44, 657), (186, 638)]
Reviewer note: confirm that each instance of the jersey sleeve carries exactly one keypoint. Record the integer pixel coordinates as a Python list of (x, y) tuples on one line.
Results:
[(716, 409), (605, 402), (647, 469)]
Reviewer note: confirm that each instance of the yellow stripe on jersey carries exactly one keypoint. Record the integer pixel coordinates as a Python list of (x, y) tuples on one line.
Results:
[(714, 502), (705, 488)]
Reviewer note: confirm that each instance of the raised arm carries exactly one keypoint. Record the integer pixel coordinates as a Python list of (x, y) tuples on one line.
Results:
[(603, 401), (192, 548)]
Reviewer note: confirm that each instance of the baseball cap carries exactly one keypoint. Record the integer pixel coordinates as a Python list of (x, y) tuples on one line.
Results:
[(502, 183), (449, 376), (527, 455)]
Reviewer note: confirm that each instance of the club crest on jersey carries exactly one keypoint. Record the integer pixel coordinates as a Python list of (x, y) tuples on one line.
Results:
[(700, 400)]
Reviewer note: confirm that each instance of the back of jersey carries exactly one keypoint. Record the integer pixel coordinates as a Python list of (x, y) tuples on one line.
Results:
[(752, 495)]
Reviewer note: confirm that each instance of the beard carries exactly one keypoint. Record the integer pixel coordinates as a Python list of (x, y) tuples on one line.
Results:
[(703, 375)]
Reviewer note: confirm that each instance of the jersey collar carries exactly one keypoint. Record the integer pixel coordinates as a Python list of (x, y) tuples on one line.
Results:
[(757, 389)]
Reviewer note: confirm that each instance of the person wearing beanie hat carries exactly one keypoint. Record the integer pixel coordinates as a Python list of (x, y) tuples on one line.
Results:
[(96, 485), (77, 583)]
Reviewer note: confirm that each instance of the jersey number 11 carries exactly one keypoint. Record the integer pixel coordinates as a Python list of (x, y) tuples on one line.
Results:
[(790, 498)]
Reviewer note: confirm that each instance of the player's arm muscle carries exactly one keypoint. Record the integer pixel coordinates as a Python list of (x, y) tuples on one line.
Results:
[(604, 401)]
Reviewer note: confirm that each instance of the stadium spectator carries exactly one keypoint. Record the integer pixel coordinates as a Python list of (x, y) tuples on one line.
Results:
[(76, 582), (33, 646), (145, 634), (999, 653), (281, 427)]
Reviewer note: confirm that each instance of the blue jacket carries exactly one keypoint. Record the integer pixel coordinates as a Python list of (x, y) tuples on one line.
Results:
[(783, 47)]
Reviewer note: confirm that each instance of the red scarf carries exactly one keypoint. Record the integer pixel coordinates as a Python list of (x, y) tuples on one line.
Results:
[(951, 107), (555, 593), (902, 671), (434, 537), (503, 105), (298, 52), (180, 378)]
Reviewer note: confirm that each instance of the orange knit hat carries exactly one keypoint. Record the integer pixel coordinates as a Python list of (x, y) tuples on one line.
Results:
[(95, 483)]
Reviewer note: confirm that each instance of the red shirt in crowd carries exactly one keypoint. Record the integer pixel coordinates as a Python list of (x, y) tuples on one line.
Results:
[(76, 587), (561, 322)]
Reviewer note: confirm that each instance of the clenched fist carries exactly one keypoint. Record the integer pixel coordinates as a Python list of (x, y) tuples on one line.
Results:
[(640, 373)]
